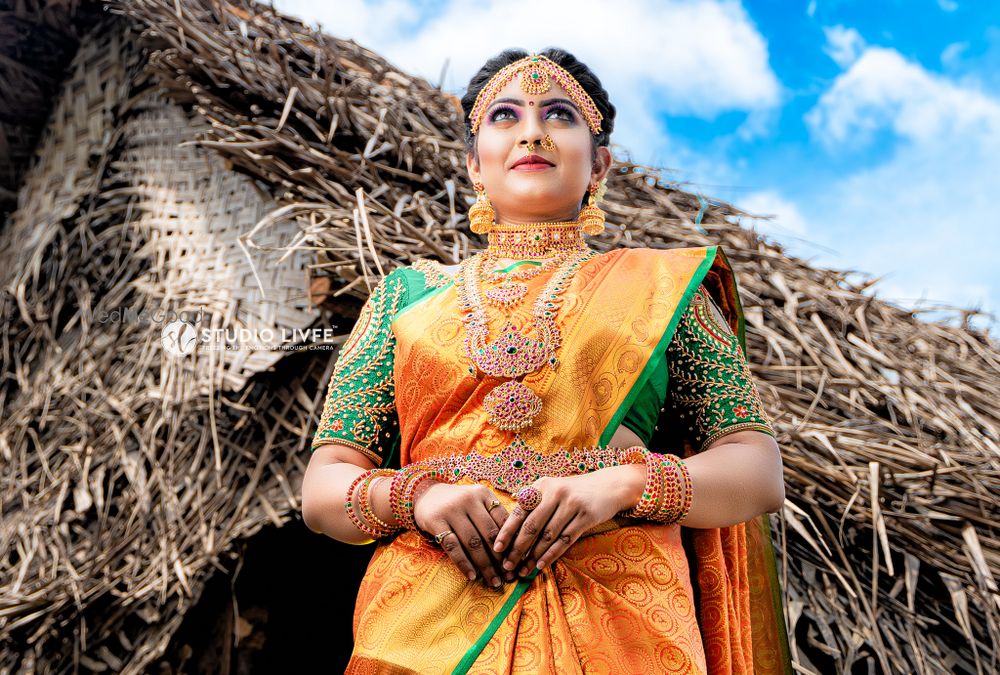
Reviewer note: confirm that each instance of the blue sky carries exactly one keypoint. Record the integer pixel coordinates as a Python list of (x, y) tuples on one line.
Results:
[(871, 130)]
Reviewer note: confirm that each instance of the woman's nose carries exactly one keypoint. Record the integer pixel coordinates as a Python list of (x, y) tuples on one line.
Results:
[(532, 131)]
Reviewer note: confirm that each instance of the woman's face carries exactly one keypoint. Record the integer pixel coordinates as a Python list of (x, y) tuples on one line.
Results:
[(534, 193)]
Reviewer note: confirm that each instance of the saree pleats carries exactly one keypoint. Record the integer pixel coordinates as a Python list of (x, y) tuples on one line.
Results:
[(625, 598)]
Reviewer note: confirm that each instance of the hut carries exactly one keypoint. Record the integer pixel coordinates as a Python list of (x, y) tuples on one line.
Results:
[(167, 162)]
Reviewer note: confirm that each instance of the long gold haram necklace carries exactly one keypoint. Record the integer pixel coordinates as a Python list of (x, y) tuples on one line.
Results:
[(510, 291), (513, 405)]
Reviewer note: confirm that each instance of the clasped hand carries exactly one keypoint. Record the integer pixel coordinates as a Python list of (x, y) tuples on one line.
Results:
[(490, 544)]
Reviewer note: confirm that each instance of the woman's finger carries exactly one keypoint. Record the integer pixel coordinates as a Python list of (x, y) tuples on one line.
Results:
[(475, 549), (451, 545), (497, 512), (509, 529), (549, 537), (488, 531), (533, 525), (574, 528)]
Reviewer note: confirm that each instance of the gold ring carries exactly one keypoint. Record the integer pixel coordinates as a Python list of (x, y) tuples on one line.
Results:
[(492, 506), (529, 497), (438, 538)]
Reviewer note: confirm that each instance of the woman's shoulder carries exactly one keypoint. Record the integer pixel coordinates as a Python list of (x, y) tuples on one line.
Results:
[(656, 258), (676, 251), (430, 273)]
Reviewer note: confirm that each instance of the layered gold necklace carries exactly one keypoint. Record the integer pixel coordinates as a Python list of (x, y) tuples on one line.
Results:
[(518, 241), (513, 405)]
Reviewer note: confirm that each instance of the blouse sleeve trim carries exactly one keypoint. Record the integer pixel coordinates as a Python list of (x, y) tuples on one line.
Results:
[(359, 410)]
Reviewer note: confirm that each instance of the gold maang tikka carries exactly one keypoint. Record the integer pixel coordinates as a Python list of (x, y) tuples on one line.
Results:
[(536, 75)]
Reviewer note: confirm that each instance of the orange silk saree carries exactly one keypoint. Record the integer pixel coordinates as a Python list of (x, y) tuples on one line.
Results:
[(629, 596)]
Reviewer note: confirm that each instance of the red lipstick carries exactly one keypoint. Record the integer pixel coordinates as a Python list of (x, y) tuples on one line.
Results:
[(531, 163)]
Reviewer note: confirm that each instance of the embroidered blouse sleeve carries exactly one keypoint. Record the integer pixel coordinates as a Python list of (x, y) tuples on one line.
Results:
[(360, 409), (710, 388)]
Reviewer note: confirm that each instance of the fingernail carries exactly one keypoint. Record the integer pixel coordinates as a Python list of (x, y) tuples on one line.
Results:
[(510, 576), (498, 546), (496, 583), (541, 564), (508, 565), (524, 571), (472, 576)]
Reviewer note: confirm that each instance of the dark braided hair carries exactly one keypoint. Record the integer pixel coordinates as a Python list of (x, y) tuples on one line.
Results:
[(584, 75)]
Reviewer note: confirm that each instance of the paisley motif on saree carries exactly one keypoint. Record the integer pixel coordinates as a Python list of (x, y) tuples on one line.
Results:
[(629, 596)]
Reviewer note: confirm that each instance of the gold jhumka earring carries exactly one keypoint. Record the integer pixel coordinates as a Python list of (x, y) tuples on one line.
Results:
[(481, 214), (591, 216)]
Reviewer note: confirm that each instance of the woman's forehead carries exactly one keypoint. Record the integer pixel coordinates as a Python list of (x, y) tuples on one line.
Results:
[(513, 90)]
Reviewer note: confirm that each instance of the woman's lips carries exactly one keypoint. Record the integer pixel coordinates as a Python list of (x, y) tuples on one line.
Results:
[(532, 166)]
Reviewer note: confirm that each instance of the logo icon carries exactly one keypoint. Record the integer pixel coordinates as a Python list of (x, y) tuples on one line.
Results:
[(179, 338)]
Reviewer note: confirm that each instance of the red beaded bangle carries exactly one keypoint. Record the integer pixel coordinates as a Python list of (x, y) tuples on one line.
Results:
[(349, 504), (409, 490), (667, 509), (366, 508), (688, 491), (396, 491), (651, 489)]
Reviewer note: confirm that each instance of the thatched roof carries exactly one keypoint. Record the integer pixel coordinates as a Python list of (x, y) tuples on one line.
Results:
[(126, 475), (37, 41)]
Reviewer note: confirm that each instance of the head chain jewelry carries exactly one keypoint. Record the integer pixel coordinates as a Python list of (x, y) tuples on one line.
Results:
[(537, 73)]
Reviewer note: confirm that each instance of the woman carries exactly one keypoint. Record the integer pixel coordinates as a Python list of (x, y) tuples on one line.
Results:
[(526, 432)]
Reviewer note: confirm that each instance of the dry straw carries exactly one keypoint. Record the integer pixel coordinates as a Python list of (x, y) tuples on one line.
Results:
[(888, 543)]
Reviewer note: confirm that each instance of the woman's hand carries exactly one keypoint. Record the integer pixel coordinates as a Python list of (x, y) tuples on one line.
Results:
[(465, 511), (570, 506)]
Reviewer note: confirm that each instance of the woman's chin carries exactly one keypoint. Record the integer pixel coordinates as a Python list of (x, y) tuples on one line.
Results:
[(532, 189)]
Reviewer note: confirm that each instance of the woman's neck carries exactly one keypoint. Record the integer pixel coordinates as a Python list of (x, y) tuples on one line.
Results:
[(520, 241)]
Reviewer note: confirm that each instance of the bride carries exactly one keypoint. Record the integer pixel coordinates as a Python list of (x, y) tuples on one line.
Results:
[(561, 453)]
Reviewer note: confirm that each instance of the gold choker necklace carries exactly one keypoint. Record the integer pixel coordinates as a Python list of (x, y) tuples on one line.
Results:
[(531, 240)]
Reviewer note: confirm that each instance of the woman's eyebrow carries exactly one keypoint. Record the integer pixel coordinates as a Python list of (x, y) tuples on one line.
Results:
[(548, 101)]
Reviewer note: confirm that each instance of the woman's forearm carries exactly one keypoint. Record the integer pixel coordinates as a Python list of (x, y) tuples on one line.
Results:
[(733, 481), (736, 480), (323, 490)]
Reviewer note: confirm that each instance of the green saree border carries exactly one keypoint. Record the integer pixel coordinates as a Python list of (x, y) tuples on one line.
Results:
[(763, 521), (479, 645), (699, 274), (770, 562), (476, 649)]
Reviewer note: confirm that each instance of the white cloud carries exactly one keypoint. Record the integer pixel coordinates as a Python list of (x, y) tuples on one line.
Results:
[(843, 45), (923, 214), (948, 5), (951, 54), (882, 90), (787, 219), (696, 57)]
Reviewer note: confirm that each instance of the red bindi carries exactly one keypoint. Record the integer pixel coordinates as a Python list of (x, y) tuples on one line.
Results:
[(531, 103)]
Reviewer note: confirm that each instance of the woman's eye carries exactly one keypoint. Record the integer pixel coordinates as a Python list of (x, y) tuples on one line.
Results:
[(564, 112), (502, 114)]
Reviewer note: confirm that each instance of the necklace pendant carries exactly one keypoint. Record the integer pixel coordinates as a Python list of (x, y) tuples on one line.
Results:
[(506, 295), (512, 405), (511, 354)]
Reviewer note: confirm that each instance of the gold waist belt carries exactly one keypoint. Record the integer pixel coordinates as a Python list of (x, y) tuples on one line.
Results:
[(516, 466)]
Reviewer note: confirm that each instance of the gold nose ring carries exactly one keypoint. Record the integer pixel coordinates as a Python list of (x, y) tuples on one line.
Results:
[(548, 143)]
